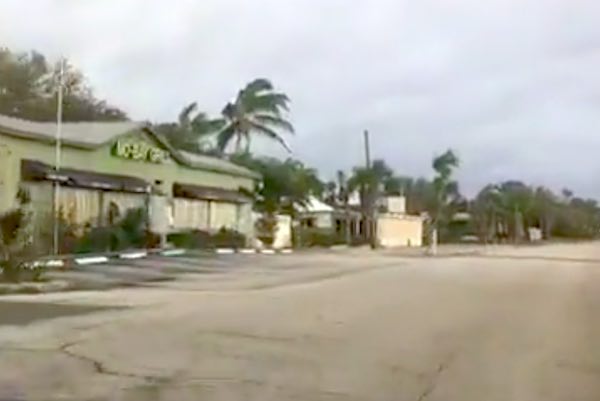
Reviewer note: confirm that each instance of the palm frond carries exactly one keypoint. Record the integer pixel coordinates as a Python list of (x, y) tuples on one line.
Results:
[(268, 102), (274, 121), (186, 112), (202, 125), (229, 111), (269, 133), (225, 136), (256, 86)]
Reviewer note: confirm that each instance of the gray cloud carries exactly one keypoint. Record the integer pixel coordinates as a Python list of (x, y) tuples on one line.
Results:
[(512, 85)]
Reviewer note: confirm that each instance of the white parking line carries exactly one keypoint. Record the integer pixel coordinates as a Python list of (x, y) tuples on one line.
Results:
[(91, 260), (173, 252), (55, 263), (267, 251), (247, 251), (225, 251), (133, 255)]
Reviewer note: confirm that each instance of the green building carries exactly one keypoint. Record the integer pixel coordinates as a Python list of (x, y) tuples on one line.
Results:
[(121, 165)]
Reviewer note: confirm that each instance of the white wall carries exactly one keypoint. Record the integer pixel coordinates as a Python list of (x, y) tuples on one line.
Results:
[(283, 232), (399, 230), (395, 204)]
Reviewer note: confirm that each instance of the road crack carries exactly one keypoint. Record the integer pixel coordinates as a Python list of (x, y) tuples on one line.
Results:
[(101, 368), (433, 381)]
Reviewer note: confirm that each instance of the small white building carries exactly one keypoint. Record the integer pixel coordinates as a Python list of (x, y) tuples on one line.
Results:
[(317, 214), (396, 228)]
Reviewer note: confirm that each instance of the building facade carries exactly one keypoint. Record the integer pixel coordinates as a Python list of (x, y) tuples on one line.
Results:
[(117, 166)]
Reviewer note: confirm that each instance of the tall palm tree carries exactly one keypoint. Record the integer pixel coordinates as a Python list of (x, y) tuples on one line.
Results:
[(445, 189), (444, 165), (193, 130), (257, 109), (369, 182)]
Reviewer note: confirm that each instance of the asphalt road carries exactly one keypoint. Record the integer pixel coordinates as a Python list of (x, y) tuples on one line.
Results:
[(515, 325)]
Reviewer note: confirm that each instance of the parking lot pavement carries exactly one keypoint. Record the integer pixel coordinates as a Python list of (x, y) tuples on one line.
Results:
[(149, 270), (346, 326)]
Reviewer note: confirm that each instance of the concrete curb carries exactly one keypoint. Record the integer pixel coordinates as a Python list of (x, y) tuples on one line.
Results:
[(92, 259)]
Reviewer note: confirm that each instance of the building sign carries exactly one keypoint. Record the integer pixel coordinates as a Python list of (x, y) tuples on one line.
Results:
[(139, 150)]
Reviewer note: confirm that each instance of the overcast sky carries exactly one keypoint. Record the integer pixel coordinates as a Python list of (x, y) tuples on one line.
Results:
[(512, 85)]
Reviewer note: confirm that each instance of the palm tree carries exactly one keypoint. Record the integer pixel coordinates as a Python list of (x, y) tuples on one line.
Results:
[(257, 109), (444, 188), (370, 181), (193, 131), (443, 184)]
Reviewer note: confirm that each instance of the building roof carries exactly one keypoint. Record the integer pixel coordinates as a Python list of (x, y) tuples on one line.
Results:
[(315, 205), (91, 135), (34, 170), (79, 134), (209, 193), (213, 163)]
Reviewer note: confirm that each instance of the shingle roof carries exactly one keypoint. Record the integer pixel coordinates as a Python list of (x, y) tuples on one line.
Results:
[(314, 205), (80, 134), (216, 164), (90, 135)]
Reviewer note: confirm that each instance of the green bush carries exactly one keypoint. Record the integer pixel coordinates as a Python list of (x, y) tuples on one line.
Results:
[(225, 238), (128, 232), (319, 238), (198, 239), (16, 243), (193, 239)]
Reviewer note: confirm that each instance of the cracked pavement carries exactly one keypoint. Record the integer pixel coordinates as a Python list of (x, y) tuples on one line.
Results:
[(518, 324)]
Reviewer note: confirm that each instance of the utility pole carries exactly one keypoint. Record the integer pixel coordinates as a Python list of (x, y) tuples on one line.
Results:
[(372, 196), (367, 150), (57, 159)]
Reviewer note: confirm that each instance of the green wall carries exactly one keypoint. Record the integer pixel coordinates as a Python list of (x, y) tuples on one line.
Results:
[(102, 160)]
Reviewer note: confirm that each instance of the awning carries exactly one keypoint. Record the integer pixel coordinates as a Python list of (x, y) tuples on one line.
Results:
[(209, 193), (32, 170)]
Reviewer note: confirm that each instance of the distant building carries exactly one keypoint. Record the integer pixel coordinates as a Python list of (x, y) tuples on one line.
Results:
[(396, 228), (393, 226), (319, 215)]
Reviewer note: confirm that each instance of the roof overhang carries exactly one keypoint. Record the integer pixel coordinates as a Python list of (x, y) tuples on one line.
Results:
[(32, 170), (191, 191)]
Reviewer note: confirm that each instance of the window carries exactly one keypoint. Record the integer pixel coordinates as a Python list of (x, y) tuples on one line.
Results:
[(308, 222)]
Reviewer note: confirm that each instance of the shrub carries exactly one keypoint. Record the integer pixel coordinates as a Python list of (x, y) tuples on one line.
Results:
[(15, 238), (225, 238), (193, 239), (130, 231), (198, 239), (319, 237)]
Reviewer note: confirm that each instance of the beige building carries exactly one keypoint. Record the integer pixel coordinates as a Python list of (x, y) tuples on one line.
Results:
[(121, 165), (398, 230), (395, 228)]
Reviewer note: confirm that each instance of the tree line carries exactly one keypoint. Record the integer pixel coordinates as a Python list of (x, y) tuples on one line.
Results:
[(28, 85), (499, 212)]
